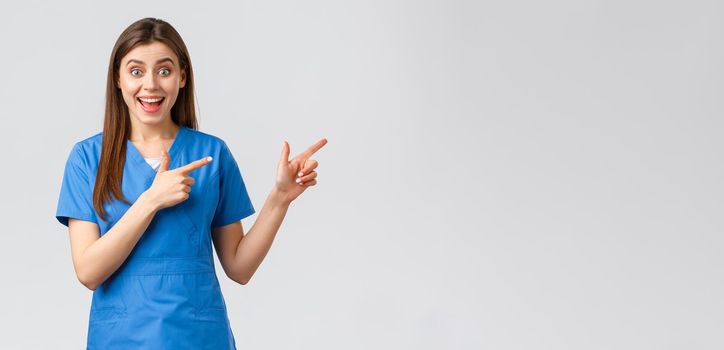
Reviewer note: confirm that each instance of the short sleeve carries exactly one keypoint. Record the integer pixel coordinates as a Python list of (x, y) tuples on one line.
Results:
[(76, 191), (234, 202)]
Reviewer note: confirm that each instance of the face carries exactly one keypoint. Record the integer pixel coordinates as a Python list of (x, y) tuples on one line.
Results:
[(150, 78)]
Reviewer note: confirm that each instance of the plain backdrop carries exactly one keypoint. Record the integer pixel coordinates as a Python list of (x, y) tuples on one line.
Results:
[(499, 174)]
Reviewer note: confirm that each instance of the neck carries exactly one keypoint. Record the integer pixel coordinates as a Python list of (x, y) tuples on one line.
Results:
[(144, 132)]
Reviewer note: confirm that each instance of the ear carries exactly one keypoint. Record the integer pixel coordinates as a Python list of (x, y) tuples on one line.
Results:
[(183, 78)]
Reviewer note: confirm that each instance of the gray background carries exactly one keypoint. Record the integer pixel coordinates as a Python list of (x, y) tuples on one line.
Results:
[(499, 175)]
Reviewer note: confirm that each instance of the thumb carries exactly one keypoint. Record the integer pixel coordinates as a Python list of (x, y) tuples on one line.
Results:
[(164, 161), (285, 153)]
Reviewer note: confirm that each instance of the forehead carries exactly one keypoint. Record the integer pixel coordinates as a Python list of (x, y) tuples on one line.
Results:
[(150, 53)]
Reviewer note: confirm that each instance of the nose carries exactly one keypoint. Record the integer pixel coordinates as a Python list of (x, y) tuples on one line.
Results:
[(150, 82)]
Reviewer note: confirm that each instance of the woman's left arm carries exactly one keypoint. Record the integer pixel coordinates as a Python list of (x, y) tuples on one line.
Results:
[(241, 254)]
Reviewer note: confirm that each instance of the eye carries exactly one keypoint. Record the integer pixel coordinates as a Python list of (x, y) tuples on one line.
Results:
[(135, 70), (164, 71)]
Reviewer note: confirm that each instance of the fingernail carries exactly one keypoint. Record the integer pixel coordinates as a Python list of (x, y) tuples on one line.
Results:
[(298, 180), (209, 158), (300, 173)]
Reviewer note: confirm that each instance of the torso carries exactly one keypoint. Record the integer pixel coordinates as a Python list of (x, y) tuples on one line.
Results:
[(166, 293)]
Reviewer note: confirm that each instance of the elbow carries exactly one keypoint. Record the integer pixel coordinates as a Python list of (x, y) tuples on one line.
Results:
[(88, 282), (90, 285), (240, 279)]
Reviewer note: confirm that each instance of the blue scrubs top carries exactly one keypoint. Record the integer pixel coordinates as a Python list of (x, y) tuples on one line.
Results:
[(166, 294)]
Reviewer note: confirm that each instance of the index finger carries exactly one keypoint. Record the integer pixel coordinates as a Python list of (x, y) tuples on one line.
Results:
[(186, 169), (314, 148)]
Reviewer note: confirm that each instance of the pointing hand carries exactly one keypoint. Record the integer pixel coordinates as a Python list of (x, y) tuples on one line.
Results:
[(171, 187), (294, 176)]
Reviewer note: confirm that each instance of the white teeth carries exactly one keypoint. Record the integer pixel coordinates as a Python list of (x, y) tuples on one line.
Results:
[(150, 100)]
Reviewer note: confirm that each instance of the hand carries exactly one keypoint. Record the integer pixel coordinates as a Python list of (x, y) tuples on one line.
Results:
[(289, 182), (171, 187)]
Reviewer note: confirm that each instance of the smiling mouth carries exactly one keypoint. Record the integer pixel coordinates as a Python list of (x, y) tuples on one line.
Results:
[(151, 107)]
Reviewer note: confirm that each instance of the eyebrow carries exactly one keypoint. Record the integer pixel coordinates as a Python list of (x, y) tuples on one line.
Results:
[(165, 59)]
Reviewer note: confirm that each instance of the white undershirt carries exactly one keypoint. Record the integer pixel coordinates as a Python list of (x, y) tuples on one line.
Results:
[(154, 162)]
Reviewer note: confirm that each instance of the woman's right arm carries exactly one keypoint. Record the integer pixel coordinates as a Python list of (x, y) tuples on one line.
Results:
[(95, 258)]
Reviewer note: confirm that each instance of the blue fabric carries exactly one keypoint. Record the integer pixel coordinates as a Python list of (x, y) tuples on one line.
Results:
[(166, 294)]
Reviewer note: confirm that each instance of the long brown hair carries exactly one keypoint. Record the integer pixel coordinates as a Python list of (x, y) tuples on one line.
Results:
[(117, 123)]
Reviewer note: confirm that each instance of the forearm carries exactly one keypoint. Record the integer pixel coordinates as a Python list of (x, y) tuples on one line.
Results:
[(256, 243), (102, 258)]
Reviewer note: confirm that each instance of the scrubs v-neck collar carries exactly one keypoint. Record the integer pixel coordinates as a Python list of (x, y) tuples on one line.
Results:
[(135, 155)]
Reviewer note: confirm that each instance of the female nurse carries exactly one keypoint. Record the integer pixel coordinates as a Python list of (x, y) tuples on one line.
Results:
[(145, 199)]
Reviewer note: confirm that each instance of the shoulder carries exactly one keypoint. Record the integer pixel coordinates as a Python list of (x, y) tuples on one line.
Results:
[(207, 143), (87, 151), (204, 144), (199, 136)]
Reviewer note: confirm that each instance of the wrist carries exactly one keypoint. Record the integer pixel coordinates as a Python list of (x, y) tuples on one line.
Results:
[(147, 202), (278, 197)]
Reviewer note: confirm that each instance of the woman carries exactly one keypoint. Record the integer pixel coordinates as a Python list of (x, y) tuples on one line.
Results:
[(140, 236)]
